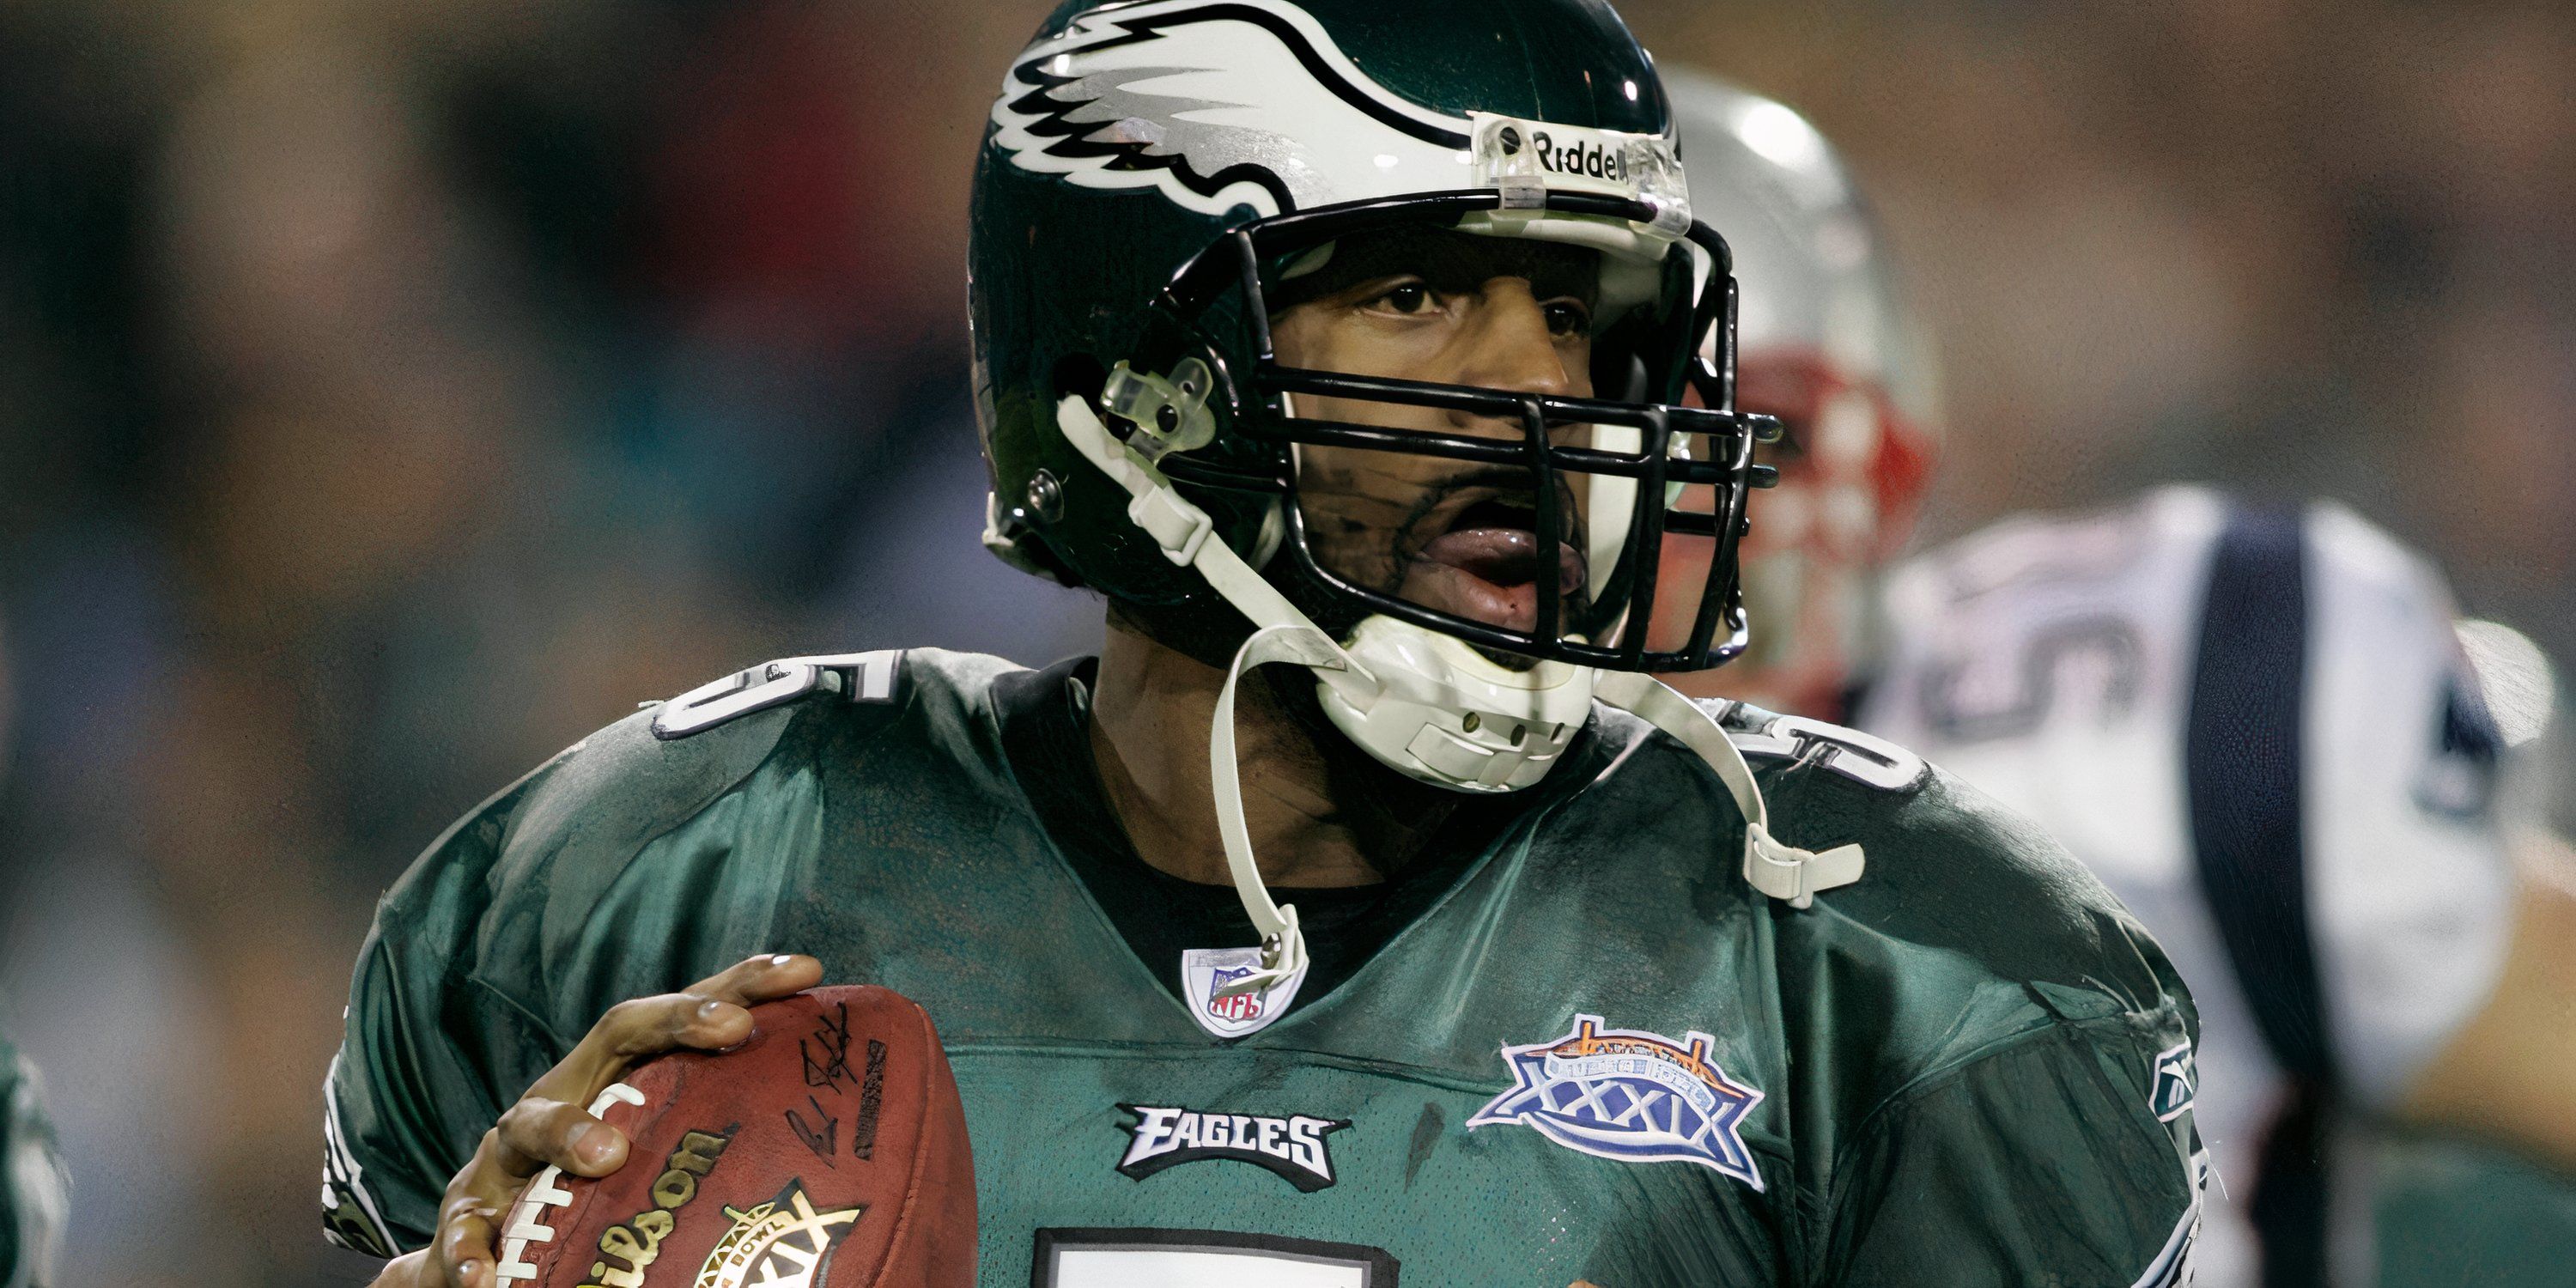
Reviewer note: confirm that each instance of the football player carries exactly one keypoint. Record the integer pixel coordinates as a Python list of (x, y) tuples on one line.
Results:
[(2495, 1204), (2255, 727), (1364, 907), (35, 1193)]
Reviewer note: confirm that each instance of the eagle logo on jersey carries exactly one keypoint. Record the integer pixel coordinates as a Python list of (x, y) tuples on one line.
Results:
[(1631, 1096)]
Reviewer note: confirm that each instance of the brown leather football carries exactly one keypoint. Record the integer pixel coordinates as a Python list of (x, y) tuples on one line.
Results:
[(828, 1151)]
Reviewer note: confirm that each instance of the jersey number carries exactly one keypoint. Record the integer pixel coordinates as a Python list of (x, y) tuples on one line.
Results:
[(1110, 1258)]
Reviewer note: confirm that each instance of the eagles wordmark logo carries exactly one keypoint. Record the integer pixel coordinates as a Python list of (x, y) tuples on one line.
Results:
[(1293, 1148), (1628, 1095)]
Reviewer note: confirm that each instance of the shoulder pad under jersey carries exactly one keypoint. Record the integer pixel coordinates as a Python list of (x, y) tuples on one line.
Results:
[(860, 677)]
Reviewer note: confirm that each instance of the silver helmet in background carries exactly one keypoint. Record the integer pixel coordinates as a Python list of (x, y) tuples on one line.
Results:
[(1825, 342)]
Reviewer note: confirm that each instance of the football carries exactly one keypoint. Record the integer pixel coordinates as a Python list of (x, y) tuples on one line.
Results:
[(828, 1151)]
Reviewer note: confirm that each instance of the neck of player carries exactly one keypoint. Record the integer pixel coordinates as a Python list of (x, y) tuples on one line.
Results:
[(1316, 818)]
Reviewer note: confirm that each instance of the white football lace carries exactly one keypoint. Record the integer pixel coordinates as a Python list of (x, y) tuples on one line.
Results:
[(526, 1224)]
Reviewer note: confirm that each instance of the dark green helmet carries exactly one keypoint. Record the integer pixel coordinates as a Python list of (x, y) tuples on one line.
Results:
[(1154, 172)]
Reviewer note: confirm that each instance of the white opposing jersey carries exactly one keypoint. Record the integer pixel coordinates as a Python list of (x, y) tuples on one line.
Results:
[(2258, 729)]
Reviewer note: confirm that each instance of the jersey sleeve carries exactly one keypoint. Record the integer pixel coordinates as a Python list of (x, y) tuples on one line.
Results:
[(429, 1048), (2410, 884), (511, 935), (2066, 1157)]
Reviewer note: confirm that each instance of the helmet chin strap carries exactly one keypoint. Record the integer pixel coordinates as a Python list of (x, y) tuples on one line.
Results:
[(1282, 633), (1283, 946)]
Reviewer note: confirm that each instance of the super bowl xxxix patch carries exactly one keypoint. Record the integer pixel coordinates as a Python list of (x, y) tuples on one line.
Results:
[(1628, 1095)]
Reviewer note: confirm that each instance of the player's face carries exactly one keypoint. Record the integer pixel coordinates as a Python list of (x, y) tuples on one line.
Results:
[(1459, 537)]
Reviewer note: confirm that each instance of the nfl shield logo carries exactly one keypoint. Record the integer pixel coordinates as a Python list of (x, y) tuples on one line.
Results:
[(1235, 1009), (1206, 970)]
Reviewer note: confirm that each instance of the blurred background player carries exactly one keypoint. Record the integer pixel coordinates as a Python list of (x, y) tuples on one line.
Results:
[(2259, 728), (1823, 343), (35, 1195), (2460, 1209), (2256, 727)]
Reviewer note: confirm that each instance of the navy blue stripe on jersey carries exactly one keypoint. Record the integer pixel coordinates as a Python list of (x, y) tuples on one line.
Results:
[(2243, 748)]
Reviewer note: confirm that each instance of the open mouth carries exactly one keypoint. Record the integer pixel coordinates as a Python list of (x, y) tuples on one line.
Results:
[(1486, 566)]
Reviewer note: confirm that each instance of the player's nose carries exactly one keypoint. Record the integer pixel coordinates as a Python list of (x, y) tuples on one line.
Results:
[(1506, 345)]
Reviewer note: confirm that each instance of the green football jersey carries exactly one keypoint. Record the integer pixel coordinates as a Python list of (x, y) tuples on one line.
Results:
[(1597, 1056)]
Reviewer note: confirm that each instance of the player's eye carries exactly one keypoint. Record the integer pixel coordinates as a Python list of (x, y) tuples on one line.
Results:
[(1566, 318), (1411, 298)]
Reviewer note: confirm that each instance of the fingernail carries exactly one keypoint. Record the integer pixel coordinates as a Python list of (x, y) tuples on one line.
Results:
[(572, 1139), (707, 1009), (781, 959)]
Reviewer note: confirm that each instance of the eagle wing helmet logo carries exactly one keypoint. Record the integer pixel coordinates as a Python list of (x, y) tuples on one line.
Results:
[(1219, 105)]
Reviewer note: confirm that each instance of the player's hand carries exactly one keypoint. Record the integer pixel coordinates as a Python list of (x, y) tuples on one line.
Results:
[(551, 1125)]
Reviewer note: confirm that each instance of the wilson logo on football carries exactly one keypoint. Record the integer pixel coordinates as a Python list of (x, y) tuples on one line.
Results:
[(627, 1248), (827, 1150)]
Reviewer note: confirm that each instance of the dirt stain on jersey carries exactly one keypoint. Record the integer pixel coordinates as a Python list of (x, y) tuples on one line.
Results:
[(1426, 1133)]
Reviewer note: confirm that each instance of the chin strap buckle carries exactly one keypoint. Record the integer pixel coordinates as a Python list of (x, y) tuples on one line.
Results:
[(1283, 959), (1283, 945), (1784, 871), (1772, 866), (1175, 524)]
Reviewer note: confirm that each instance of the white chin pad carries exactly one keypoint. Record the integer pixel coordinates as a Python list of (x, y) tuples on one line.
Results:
[(1445, 714)]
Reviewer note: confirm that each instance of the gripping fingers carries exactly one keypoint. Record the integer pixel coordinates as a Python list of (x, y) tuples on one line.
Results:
[(538, 1132), (710, 1016), (463, 1254), (760, 978)]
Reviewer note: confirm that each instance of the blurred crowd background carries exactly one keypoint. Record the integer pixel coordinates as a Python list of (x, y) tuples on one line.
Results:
[(392, 393)]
